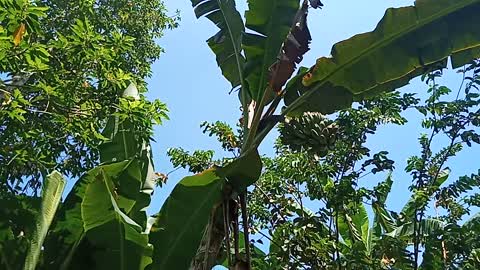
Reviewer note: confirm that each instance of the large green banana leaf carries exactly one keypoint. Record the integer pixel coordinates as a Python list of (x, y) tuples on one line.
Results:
[(226, 43), (178, 229), (270, 22), (354, 227), (428, 227), (91, 223), (179, 226), (136, 185), (406, 43), (52, 191), (129, 176)]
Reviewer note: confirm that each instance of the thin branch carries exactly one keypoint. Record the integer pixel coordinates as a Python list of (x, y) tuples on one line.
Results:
[(243, 206), (226, 225), (236, 228), (273, 106), (272, 204), (278, 245), (337, 241), (300, 199)]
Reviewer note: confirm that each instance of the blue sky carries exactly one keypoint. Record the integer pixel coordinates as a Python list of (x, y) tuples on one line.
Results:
[(188, 80)]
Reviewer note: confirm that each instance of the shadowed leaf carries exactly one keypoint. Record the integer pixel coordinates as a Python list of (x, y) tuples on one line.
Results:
[(226, 43)]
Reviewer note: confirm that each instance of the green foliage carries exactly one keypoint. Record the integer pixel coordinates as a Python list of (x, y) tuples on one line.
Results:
[(270, 22), (64, 65), (191, 206), (91, 225), (224, 133), (196, 162), (339, 234), (17, 224)]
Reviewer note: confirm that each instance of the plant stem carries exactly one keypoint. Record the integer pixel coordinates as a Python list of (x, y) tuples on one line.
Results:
[(257, 115), (243, 206), (226, 225)]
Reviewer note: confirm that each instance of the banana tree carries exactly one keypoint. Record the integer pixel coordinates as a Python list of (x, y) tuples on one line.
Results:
[(104, 214), (258, 54)]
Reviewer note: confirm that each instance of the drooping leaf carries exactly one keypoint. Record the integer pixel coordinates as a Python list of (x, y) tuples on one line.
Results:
[(136, 184), (119, 242), (52, 191), (294, 47), (244, 171), (68, 231), (179, 226), (121, 144), (269, 22), (383, 221), (226, 43), (354, 228), (384, 189), (428, 227), (406, 43), (361, 223)]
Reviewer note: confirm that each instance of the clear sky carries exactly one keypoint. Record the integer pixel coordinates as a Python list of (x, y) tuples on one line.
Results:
[(188, 80)]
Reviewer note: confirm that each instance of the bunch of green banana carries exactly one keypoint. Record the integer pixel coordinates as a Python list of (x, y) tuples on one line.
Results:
[(311, 132)]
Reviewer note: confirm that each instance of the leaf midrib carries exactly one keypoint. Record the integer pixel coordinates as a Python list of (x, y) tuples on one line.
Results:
[(235, 48), (376, 46)]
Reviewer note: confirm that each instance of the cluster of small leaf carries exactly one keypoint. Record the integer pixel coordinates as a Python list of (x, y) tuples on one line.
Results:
[(451, 192), (18, 221), (451, 119), (133, 111), (201, 160), (196, 162), (224, 133), (64, 65)]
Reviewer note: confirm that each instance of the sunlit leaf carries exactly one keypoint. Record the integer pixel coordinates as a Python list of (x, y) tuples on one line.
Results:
[(406, 43)]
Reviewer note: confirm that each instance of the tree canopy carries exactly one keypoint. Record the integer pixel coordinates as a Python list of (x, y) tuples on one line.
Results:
[(64, 65)]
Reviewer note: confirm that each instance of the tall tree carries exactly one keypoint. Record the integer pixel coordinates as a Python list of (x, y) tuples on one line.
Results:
[(64, 65)]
